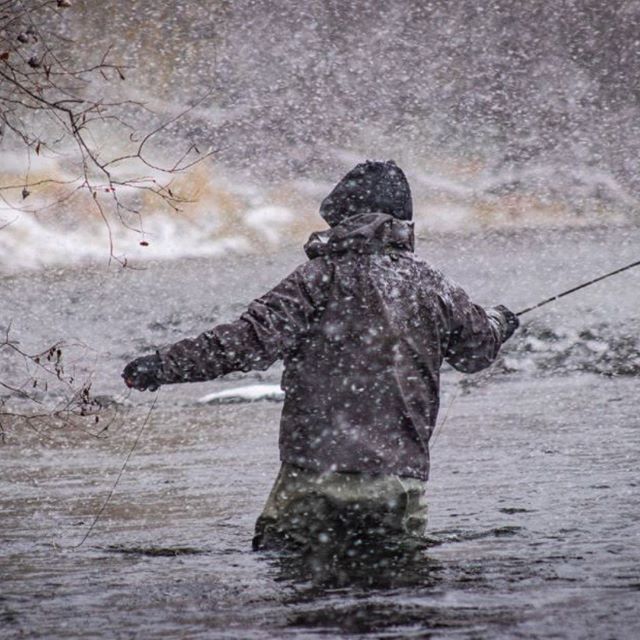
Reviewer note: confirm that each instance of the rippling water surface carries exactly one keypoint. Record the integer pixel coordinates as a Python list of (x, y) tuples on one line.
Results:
[(534, 527)]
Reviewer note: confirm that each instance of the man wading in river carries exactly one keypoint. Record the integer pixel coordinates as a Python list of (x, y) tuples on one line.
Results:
[(362, 328)]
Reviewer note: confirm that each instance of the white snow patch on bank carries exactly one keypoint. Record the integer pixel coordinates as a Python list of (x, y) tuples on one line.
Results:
[(270, 222), (26, 243), (44, 230), (250, 393)]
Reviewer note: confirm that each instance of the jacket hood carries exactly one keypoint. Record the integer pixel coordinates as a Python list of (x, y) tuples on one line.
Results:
[(370, 187), (364, 233)]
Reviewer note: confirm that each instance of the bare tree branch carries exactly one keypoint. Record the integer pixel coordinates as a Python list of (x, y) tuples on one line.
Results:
[(65, 106), (48, 101), (45, 373)]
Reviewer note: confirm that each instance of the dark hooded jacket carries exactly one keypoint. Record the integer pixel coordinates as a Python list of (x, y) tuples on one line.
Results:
[(363, 328)]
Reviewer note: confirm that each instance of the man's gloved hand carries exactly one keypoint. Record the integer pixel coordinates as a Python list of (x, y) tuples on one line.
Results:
[(144, 373), (511, 322)]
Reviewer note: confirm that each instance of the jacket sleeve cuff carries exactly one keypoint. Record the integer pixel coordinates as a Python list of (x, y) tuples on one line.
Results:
[(504, 320)]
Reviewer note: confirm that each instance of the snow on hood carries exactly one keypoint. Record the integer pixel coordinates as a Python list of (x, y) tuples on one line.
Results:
[(369, 187)]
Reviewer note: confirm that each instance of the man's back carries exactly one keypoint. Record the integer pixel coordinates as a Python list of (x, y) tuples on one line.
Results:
[(361, 382)]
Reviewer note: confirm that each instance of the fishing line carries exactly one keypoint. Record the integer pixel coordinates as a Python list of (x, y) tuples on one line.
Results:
[(438, 430), (115, 484)]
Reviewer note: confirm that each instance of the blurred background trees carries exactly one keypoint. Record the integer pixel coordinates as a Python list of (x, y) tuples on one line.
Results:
[(490, 105), (535, 97)]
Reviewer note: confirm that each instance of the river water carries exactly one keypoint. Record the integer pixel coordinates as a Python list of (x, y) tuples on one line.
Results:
[(534, 522)]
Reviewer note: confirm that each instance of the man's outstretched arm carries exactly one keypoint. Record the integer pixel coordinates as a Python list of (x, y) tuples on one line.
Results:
[(270, 327), (475, 334)]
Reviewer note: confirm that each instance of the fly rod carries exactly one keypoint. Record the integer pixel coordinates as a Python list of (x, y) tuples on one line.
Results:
[(580, 286)]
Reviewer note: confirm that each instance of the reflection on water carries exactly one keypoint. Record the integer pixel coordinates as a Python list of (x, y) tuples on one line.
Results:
[(344, 589), (393, 592), (376, 565)]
